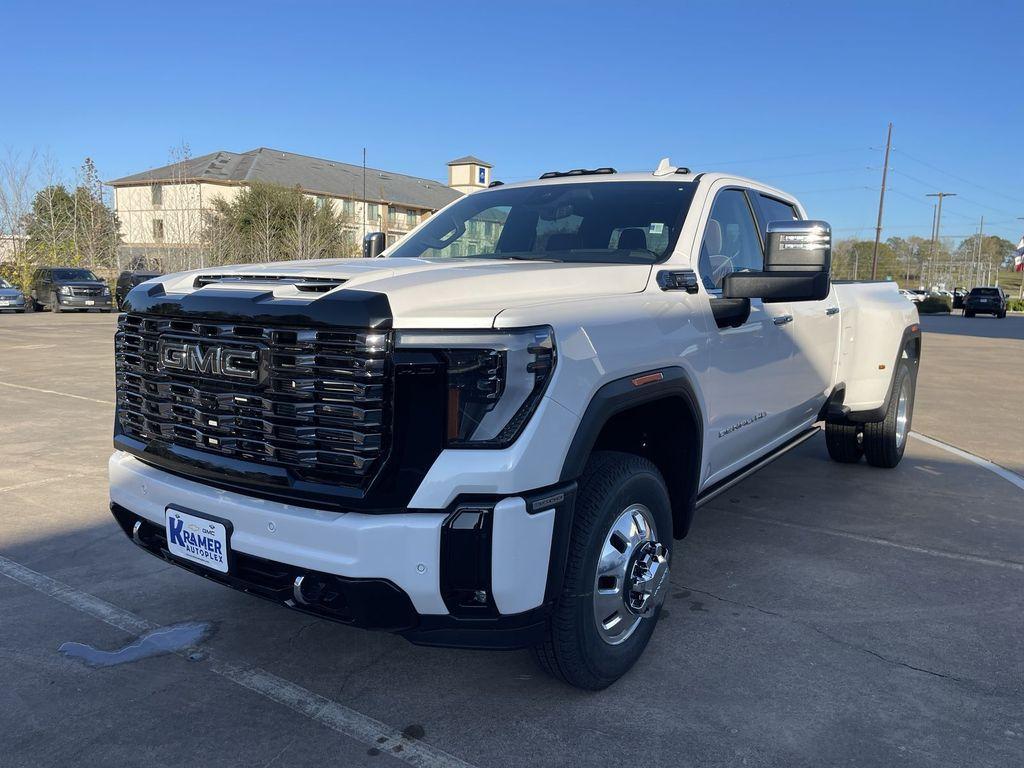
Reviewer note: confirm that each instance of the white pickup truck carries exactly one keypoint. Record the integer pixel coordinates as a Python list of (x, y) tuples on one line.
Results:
[(492, 435)]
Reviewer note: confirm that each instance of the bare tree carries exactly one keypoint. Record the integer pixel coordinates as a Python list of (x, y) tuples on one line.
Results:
[(17, 171)]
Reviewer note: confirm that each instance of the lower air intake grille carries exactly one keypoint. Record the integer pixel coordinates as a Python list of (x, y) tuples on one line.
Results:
[(314, 402)]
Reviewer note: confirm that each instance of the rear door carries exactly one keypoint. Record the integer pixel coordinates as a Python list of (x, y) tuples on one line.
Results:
[(812, 332)]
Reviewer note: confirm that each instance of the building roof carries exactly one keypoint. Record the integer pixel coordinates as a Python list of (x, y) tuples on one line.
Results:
[(470, 160), (313, 174)]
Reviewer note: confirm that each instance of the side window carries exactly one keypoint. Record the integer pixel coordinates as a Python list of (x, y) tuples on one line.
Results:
[(774, 210), (731, 242)]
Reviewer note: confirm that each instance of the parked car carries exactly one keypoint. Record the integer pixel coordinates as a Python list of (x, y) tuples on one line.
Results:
[(919, 294), (493, 436), (11, 298), (986, 301), (128, 280), (910, 295), (65, 289)]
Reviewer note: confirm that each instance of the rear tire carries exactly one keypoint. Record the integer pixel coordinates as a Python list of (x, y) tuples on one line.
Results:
[(844, 442), (608, 550), (886, 440)]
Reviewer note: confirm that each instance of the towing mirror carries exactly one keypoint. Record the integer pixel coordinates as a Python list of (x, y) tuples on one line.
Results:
[(373, 245), (797, 265)]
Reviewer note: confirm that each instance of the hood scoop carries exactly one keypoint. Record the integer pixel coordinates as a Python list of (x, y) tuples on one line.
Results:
[(304, 284)]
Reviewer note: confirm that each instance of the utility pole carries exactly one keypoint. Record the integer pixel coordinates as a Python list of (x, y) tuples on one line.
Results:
[(1020, 293), (364, 194), (881, 205), (981, 239), (938, 217)]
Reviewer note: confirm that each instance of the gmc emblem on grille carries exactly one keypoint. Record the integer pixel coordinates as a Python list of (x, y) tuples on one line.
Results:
[(211, 360)]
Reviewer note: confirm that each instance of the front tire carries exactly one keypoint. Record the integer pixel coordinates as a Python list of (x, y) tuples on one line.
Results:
[(886, 440), (616, 574)]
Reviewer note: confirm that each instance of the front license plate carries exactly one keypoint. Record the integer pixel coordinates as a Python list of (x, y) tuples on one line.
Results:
[(89, 302), (4, 303), (198, 539)]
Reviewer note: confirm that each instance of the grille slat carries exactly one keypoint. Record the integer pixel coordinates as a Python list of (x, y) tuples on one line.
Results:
[(318, 410)]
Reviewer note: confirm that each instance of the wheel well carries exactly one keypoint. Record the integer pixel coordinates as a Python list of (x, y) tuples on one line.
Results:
[(666, 432)]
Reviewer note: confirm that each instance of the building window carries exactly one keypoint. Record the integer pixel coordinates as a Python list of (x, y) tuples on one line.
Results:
[(321, 201), (481, 174), (156, 195), (348, 207), (372, 212), (158, 230)]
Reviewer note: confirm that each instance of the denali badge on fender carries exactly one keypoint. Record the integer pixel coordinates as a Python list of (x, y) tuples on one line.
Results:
[(214, 361)]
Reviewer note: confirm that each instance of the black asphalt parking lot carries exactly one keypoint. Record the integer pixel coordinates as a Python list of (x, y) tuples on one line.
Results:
[(821, 614)]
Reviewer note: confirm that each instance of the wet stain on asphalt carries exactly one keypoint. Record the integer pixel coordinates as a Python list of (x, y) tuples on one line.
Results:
[(172, 639), (682, 594), (697, 605)]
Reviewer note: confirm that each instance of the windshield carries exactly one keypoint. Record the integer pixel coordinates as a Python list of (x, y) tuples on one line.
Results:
[(74, 274), (622, 222), (984, 292)]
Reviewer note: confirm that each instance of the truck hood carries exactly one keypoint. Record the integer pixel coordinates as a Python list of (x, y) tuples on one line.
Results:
[(421, 293), (9, 293)]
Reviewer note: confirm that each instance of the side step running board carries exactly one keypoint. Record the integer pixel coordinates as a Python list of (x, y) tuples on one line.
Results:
[(728, 482)]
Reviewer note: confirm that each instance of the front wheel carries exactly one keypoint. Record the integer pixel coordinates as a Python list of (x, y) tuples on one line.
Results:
[(886, 440), (616, 575)]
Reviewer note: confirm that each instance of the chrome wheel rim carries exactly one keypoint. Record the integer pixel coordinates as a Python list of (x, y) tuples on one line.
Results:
[(902, 414), (632, 570)]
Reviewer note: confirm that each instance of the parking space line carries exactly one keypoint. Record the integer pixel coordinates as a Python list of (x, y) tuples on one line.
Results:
[(54, 392), (963, 557), (378, 736), (1003, 472), (43, 481)]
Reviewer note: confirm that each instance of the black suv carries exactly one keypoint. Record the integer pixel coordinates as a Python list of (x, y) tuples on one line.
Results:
[(62, 289), (128, 280), (985, 301)]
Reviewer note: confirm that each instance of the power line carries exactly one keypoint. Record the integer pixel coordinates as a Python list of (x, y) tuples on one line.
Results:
[(955, 176)]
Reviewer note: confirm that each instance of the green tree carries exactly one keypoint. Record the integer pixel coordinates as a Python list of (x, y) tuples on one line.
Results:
[(267, 222)]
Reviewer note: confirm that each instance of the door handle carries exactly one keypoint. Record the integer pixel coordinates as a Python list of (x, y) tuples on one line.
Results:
[(832, 311), (782, 319)]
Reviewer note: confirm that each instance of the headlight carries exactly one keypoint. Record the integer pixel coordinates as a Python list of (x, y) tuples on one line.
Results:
[(106, 291), (495, 380), (65, 290)]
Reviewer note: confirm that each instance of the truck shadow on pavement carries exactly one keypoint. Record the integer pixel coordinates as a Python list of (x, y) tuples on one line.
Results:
[(851, 599)]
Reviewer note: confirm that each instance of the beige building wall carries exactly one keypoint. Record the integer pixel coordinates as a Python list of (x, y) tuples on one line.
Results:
[(466, 177), (175, 215)]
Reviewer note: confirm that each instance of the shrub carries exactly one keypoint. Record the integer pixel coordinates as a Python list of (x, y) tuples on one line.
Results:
[(934, 305), (1015, 305)]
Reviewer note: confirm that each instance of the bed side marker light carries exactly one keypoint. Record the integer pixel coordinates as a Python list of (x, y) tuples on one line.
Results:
[(647, 378)]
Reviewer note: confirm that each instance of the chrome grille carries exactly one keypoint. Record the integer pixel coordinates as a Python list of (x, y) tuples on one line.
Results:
[(79, 290), (318, 408)]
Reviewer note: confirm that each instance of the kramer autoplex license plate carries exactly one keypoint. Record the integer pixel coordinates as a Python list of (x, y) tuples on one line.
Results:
[(198, 539)]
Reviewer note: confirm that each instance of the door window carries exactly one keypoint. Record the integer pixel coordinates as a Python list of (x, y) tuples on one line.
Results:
[(731, 242), (774, 210)]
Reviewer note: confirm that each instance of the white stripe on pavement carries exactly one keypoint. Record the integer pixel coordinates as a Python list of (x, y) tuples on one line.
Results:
[(54, 392), (1003, 472), (327, 712)]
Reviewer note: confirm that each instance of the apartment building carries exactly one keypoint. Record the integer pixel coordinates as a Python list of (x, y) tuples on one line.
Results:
[(166, 206)]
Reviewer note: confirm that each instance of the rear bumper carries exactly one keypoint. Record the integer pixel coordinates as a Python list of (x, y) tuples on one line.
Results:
[(408, 572)]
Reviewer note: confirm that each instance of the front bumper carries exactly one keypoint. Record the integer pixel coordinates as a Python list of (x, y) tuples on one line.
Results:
[(7, 302), (405, 572), (82, 302)]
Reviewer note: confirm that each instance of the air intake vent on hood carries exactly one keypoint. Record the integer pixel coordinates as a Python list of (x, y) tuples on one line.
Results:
[(307, 284)]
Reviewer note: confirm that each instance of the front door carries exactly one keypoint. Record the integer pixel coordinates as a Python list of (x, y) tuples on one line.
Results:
[(745, 397)]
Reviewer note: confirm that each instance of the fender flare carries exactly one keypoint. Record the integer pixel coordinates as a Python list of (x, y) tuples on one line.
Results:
[(839, 412), (628, 392)]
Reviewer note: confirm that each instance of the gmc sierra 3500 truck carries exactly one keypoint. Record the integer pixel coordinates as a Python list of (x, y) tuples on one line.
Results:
[(491, 435)]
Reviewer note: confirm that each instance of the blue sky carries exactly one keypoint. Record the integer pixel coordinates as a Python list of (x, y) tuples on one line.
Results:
[(795, 94)]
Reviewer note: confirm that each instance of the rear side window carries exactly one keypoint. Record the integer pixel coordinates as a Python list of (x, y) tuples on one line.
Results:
[(985, 292), (774, 210), (731, 242)]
